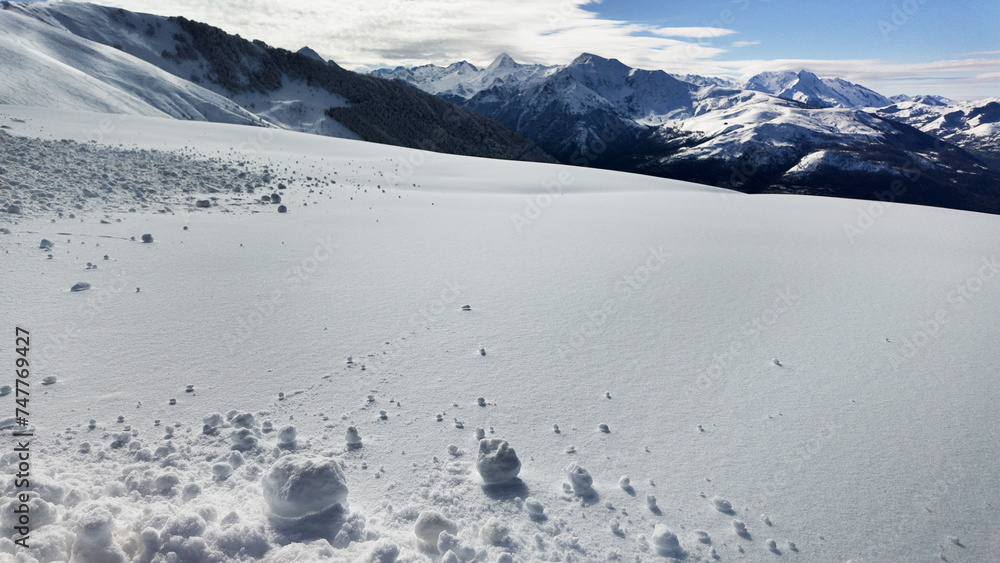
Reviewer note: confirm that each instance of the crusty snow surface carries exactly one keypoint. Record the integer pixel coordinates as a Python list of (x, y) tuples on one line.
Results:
[(676, 371)]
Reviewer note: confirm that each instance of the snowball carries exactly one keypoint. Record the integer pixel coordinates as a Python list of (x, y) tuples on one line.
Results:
[(296, 486), (94, 541), (448, 543), (703, 536), (430, 524), (580, 479), (147, 238), (80, 286), (450, 557), (740, 528), (287, 435), (666, 542), (722, 505), (771, 544), (384, 551), (352, 436), (222, 471), (497, 462), (651, 503), (494, 532), (244, 420), (536, 511), (5, 390), (243, 440), (505, 558)]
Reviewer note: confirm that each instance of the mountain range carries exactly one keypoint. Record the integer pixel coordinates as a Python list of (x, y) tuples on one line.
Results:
[(783, 131), (776, 132)]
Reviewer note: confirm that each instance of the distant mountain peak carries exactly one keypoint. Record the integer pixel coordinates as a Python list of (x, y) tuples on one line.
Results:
[(502, 61), (599, 62), (311, 54)]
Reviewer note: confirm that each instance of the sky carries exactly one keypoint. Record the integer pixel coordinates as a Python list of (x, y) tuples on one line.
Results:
[(893, 46)]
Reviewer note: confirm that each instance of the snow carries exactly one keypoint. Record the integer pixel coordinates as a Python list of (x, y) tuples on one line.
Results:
[(296, 486), (497, 462), (874, 440), (84, 75)]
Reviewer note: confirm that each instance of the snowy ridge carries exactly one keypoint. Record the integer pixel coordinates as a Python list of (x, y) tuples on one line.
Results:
[(804, 86), (463, 80), (46, 65)]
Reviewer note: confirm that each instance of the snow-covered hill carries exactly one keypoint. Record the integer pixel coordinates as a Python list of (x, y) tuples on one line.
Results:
[(77, 55), (45, 64), (680, 371)]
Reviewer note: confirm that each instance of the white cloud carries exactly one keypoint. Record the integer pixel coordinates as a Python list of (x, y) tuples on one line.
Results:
[(738, 44), (373, 33), (363, 35)]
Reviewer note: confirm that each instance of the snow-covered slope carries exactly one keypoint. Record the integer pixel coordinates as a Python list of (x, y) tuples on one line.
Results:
[(804, 86), (817, 372), (46, 65), (297, 91)]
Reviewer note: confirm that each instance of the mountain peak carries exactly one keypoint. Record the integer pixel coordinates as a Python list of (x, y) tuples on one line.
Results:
[(598, 61), (311, 54), (502, 61)]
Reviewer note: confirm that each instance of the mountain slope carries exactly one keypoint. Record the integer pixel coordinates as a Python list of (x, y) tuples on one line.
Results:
[(808, 136), (47, 65), (290, 90), (804, 86), (974, 126)]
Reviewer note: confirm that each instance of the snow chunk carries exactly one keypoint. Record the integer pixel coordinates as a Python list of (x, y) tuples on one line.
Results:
[(497, 462), (80, 286), (722, 505), (94, 542), (430, 524), (580, 479), (666, 542), (536, 511), (494, 532), (297, 486)]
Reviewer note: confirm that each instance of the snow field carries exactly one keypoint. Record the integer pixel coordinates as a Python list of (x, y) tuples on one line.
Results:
[(260, 310)]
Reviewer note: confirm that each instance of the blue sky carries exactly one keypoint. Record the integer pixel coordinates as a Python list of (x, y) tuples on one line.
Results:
[(895, 30), (893, 46)]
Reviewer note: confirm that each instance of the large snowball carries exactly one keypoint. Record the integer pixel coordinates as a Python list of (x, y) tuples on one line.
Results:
[(297, 486), (497, 462)]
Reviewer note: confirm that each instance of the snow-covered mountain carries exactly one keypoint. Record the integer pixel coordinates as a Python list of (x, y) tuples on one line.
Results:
[(784, 132), (79, 55), (974, 126), (45, 64), (804, 86), (463, 80)]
